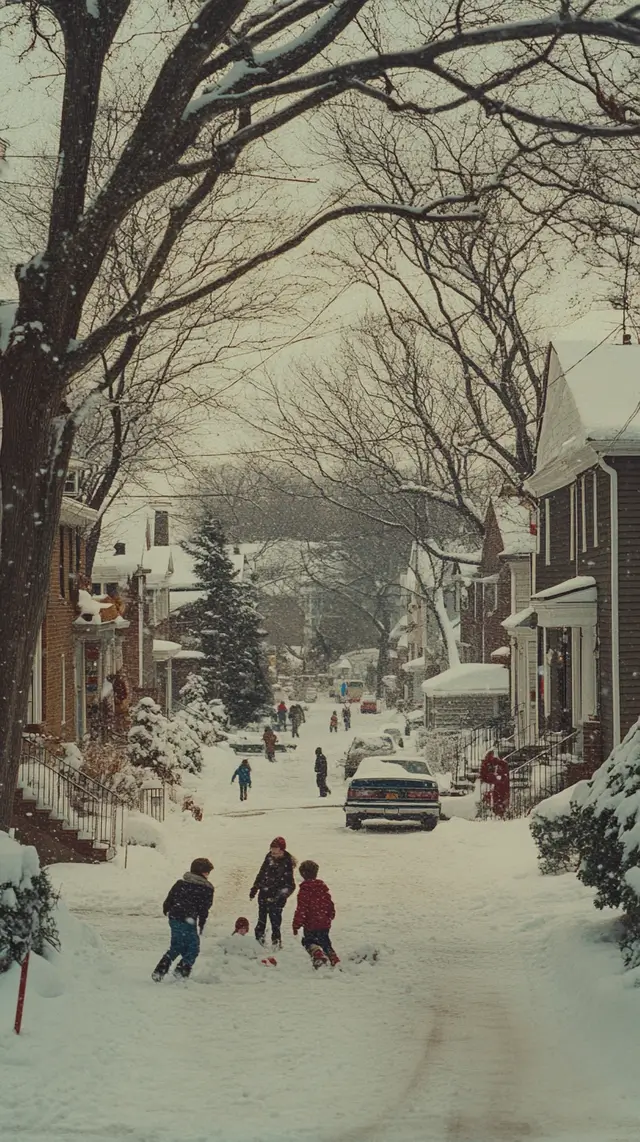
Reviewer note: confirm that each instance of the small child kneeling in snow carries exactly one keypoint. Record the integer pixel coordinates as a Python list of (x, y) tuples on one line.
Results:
[(242, 929), (314, 912)]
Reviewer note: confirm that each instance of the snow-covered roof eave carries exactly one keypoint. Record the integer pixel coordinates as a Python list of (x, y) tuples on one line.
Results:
[(563, 471), (470, 678), (76, 514), (163, 650)]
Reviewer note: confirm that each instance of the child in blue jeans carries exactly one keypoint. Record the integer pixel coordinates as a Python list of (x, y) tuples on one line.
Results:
[(187, 907)]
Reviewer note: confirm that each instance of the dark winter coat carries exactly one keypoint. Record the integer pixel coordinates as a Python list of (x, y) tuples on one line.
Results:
[(275, 878), (315, 909), (321, 765), (189, 899), (243, 773)]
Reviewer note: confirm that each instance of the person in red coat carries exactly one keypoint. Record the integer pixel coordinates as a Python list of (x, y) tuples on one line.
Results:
[(314, 912), (494, 772)]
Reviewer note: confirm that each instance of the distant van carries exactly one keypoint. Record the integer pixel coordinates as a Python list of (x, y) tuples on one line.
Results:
[(355, 690)]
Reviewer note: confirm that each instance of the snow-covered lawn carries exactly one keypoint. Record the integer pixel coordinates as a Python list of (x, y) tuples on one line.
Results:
[(497, 1009)]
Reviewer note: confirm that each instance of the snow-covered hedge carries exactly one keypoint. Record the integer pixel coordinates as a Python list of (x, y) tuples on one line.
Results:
[(206, 718), (599, 821), (27, 903), (185, 743), (149, 744), (554, 824)]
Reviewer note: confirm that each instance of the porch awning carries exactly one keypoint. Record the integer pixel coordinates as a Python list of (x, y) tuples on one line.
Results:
[(415, 666), (573, 603), (525, 618), (163, 649)]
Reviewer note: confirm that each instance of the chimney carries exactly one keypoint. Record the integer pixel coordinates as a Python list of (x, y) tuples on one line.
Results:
[(119, 549), (161, 529)]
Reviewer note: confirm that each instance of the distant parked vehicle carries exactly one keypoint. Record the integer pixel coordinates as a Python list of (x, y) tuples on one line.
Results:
[(369, 704), (395, 733), (366, 745), (396, 788), (355, 690), (311, 696)]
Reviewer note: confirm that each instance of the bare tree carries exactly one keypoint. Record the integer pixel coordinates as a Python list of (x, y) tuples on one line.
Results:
[(226, 74)]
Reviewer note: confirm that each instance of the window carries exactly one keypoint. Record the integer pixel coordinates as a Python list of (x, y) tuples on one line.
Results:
[(34, 709), (572, 523), (63, 682), (595, 508), (71, 575), (583, 513), (62, 582), (491, 598), (547, 532)]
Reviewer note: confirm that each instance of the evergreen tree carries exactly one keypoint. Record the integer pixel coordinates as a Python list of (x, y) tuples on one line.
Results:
[(229, 629)]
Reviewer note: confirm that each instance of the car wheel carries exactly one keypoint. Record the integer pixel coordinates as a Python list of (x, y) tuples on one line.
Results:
[(429, 824), (354, 823)]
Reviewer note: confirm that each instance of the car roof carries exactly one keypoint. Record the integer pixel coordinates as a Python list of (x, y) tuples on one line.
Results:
[(390, 766)]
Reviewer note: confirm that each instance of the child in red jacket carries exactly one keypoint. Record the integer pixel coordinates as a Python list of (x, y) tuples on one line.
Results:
[(314, 912)]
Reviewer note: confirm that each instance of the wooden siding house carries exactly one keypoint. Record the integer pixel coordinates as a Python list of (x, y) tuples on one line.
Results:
[(586, 580)]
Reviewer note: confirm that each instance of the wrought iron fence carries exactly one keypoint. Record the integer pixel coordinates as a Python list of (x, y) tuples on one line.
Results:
[(463, 756), (152, 801), (71, 798)]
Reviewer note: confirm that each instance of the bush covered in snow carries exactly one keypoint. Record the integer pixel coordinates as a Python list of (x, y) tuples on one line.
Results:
[(601, 823), (185, 743), (554, 825), (206, 718), (27, 903), (149, 742)]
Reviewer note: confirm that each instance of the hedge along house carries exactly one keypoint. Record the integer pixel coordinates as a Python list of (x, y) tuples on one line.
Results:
[(586, 586)]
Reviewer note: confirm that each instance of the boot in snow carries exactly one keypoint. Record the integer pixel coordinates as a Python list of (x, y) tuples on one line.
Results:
[(334, 959), (161, 969), (183, 971), (318, 957)]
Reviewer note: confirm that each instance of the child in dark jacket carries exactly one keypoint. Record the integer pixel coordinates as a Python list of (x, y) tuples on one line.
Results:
[(243, 773), (274, 884), (314, 912), (187, 907)]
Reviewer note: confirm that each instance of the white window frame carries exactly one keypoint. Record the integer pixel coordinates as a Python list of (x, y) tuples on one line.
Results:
[(547, 531), (572, 523), (583, 513), (35, 689), (596, 538), (63, 680), (537, 520)]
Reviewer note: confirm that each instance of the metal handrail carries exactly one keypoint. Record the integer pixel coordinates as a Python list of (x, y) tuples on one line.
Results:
[(73, 798)]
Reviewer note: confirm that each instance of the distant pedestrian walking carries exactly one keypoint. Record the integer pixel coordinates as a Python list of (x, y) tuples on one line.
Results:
[(243, 773), (282, 716), (314, 912), (333, 723), (187, 907), (321, 773), (346, 717), (270, 741), (273, 886), (296, 718)]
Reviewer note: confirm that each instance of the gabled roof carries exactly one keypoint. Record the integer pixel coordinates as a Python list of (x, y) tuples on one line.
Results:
[(514, 521), (592, 409)]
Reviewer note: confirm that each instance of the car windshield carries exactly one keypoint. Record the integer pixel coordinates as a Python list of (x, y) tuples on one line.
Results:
[(412, 765)]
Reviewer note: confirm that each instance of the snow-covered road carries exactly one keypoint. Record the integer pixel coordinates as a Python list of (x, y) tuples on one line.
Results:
[(497, 1008)]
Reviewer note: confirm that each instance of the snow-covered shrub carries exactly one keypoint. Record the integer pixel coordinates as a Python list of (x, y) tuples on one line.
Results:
[(108, 764), (27, 903), (185, 743), (204, 717), (149, 743), (555, 825)]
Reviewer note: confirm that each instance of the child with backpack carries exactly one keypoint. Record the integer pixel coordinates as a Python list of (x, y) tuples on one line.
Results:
[(187, 907), (243, 773), (333, 723), (314, 912)]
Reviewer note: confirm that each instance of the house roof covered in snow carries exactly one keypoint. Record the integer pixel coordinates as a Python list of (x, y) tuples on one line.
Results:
[(468, 678), (514, 521), (591, 410)]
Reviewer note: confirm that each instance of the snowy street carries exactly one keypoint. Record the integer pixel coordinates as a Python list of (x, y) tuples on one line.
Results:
[(497, 1008)]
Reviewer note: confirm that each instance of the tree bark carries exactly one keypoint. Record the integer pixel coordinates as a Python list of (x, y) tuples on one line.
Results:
[(33, 464)]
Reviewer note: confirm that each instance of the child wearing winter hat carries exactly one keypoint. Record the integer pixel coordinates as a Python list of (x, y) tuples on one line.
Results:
[(314, 912), (273, 885), (187, 907)]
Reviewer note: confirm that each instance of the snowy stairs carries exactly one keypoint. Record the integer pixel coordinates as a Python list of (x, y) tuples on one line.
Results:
[(52, 835)]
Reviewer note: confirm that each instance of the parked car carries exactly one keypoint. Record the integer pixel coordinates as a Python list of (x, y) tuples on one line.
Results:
[(394, 788), (311, 696), (253, 743), (395, 733), (369, 704), (366, 745)]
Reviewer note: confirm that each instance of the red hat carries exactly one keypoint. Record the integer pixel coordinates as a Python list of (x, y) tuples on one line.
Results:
[(279, 843), (241, 923)]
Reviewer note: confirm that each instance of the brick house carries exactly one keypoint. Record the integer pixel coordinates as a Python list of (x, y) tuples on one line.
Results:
[(74, 653), (586, 588)]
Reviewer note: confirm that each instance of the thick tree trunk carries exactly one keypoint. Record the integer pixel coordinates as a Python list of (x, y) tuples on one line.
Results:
[(383, 655), (33, 463)]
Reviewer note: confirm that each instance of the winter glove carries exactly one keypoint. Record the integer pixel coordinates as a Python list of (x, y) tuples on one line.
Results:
[(253, 892), (295, 931)]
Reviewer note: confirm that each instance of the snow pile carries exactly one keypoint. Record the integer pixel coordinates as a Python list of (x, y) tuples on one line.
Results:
[(26, 903), (205, 717), (91, 607), (185, 743), (468, 678), (143, 830)]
